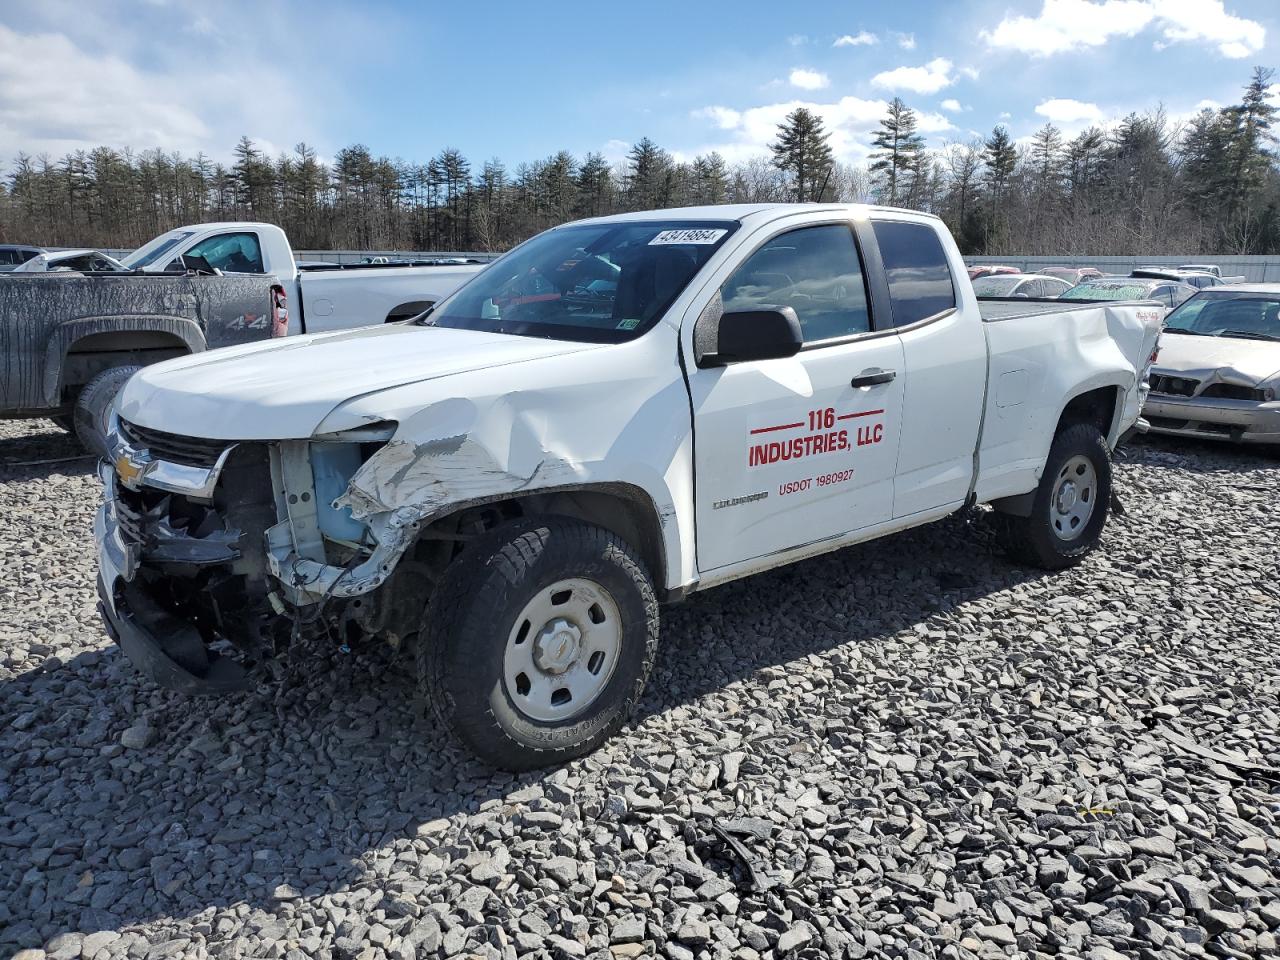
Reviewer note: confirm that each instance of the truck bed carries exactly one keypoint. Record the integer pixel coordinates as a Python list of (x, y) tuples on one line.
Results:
[(1009, 308)]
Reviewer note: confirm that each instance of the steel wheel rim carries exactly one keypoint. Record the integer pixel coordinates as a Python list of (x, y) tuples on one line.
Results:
[(1075, 497), (562, 650)]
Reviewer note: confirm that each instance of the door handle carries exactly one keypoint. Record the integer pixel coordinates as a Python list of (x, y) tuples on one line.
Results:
[(872, 379)]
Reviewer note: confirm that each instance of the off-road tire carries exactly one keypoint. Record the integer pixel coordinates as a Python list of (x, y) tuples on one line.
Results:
[(466, 626), (93, 407), (1032, 539)]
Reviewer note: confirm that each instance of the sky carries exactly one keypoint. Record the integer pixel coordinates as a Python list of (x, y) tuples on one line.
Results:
[(515, 81)]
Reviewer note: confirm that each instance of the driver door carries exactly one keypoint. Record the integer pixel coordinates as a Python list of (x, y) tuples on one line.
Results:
[(800, 449)]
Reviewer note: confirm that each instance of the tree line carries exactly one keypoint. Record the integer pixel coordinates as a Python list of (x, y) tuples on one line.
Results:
[(1211, 185)]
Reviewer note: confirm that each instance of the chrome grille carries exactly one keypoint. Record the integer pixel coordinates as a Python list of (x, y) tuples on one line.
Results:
[(189, 451)]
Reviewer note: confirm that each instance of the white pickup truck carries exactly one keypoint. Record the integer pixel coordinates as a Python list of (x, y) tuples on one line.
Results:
[(618, 412), (328, 297)]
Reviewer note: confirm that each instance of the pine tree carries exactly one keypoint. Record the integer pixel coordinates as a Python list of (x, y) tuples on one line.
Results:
[(801, 151), (1000, 156), (595, 186), (1248, 157), (710, 179), (898, 148), (648, 176)]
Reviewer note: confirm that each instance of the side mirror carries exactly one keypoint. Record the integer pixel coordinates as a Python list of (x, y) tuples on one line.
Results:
[(766, 334)]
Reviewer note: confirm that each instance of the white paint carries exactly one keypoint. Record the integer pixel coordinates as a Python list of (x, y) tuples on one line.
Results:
[(482, 416)]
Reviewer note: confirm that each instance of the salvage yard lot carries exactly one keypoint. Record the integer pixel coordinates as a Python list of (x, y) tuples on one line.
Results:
[(925, 750)]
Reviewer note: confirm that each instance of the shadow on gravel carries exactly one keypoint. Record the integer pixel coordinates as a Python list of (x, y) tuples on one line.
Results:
[(1199, 456), (281, 794), (44, 450)]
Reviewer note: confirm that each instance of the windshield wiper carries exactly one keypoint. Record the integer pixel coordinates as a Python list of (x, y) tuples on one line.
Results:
[(1189, 333), (1247, 335)]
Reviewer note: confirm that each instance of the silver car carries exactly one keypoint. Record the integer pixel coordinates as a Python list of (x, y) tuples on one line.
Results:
[(1021, 285), (1217, 374)]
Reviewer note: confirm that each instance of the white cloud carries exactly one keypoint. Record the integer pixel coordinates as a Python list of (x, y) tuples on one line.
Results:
[(807, 79), (724, 117), (970, 72), (907, 41), (1064, 25), (930, 78), (850, 122), (797, 40), (67, 108), (1190, 20), (1064, 110), (860, 39), (952, 105), (88, 81), (615, 151)]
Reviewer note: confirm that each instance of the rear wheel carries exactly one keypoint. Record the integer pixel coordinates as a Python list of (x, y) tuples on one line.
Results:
[(538, 642), (1070, 506), (93, 407)]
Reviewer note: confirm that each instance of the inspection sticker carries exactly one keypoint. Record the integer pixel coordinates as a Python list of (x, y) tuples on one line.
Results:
[(703, 235)]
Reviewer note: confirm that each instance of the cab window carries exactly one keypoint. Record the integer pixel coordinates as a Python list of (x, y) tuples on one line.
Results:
[(916, 265), (816, 272), (231, 252)]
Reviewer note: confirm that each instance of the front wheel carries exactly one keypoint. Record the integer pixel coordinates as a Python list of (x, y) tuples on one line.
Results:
[(1070, 505), (538, 641), (91, 417)]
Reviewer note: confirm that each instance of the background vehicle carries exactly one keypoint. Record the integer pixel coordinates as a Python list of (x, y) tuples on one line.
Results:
[(1218, 372), (71, 260), (1020, 285), (1199, 280), (14, 254), (72, 340), (987, 270), (524, 456), (320, 297), (1169, 293), (1202, 268), (73, 336), (1072, 275)]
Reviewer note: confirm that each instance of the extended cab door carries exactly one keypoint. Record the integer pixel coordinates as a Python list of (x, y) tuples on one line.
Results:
[(792, 451), (944, 360)]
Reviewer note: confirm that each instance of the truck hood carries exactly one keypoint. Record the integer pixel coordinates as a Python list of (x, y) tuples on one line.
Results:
[(283, 389), (1244, 362)]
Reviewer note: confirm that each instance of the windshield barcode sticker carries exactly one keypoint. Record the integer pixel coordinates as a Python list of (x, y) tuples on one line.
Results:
[(687, 236)]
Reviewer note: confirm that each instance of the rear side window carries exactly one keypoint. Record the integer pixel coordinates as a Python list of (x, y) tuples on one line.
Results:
[(916, 265)]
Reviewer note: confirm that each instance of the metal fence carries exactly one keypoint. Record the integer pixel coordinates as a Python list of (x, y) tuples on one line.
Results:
[(1253, 269)]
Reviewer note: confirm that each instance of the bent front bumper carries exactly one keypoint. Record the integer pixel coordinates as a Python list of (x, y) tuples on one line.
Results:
[(161, 647), (1240, 421)]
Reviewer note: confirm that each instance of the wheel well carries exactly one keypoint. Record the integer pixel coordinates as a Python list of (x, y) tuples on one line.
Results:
[(407, 310), (89, 355), (1097, 407), (621, 509)]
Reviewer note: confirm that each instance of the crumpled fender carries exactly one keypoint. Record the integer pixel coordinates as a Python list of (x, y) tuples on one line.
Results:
[(581, 421)]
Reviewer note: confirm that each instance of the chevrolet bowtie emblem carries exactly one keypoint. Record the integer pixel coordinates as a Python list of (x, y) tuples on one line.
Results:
[(128, 470)]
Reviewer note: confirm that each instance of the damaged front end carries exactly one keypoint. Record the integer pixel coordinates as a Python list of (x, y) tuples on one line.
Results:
[(217, 556)]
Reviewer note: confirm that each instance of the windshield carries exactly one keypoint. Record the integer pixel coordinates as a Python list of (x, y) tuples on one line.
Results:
[(153, 250), (1250, 316), (604, 282), (996, 286), (1108, 290)]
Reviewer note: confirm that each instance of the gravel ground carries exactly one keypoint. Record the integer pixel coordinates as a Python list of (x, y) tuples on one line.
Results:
[(921, 749)]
